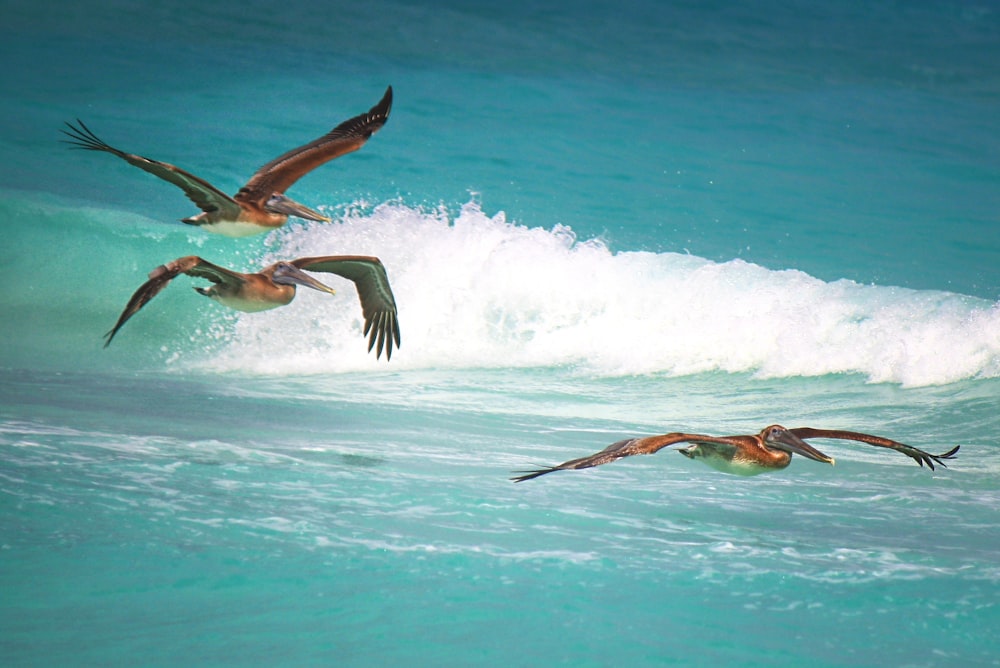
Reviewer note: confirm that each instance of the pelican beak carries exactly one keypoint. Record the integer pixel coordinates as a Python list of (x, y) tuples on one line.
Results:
[(789, 442), (292, 275), (279, 203)]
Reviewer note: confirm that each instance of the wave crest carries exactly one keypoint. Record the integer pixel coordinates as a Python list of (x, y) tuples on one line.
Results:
[(478, 291)]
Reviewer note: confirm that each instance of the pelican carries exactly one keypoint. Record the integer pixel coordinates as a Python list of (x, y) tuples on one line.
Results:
[(274, 286), (770, 450), (261, 205)]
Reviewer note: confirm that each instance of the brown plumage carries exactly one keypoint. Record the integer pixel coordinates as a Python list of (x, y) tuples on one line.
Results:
[(261, 204), (770, 450), (275, 285)]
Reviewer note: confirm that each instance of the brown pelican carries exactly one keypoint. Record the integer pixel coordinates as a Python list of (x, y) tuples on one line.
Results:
[(770, 450), (261, 205), (274, 286)]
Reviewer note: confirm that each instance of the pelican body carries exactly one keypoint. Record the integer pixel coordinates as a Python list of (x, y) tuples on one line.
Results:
[(275, 286), (770, 450), (260, 205)]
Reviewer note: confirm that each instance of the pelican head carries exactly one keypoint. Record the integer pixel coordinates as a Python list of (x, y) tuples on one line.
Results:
[(286, 273), (779, 438), (284, 205)]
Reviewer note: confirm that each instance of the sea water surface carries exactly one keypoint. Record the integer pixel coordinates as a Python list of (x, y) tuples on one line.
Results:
[(599, 221)]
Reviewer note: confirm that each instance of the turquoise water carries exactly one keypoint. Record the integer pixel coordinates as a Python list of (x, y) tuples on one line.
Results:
[(599, 222)]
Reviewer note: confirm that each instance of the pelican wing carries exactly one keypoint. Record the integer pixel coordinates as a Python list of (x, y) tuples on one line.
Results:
[(206, 197), (377, 302), (191, 265), (631, 446), (916, 454), (279, 174)]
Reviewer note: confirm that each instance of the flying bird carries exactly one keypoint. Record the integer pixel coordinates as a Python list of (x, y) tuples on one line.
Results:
[(261, 205), (275, 285), (770, 450)]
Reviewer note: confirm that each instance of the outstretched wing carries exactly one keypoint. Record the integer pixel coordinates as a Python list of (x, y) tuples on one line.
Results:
[(206, 197), (191, 265), (279, 174), (377, 302), (626, 448), (916, 454)]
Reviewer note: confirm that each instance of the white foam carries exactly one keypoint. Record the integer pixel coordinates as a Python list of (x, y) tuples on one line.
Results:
[(478, 291)]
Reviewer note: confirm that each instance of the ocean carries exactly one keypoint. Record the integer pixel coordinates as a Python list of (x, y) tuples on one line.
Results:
[(600, 220)]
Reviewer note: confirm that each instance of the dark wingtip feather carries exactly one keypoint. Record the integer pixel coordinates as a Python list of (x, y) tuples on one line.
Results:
[(110, 334), (381, 340), (528, 475), (82, 137), (388, 339), (384, 105), (951, 454), (927, 458)]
